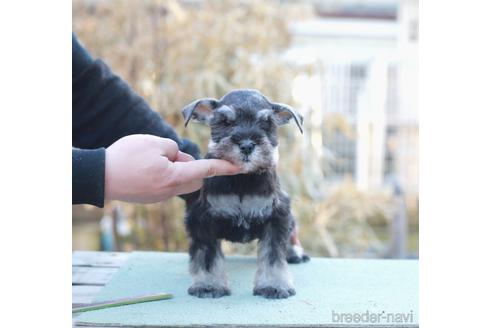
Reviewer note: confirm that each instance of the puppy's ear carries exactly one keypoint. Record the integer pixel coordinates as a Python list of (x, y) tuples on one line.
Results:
[(201, 110), (284, 113)]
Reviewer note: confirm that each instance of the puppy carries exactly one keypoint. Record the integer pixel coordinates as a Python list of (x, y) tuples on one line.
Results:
[(247, 206)]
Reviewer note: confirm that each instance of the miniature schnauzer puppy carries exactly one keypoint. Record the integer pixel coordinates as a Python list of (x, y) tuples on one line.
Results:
[(246, 206)]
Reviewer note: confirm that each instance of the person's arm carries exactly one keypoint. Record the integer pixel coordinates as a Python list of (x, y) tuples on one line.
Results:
[(105, 109), (88, 176)]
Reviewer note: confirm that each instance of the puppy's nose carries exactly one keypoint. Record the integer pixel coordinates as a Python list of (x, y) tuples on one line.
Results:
[(247, 146)]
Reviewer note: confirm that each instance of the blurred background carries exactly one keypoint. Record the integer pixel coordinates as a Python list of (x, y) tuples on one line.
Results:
[(349, 66)]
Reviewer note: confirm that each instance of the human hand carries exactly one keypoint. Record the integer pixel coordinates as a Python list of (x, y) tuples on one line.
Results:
[(148, 169)]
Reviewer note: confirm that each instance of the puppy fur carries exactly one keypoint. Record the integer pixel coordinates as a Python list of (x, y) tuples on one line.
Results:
[(243, 207)]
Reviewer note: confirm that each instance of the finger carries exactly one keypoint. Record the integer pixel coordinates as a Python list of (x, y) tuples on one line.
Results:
[(184, 157), (168, 148), (204, 168), (189, 187)]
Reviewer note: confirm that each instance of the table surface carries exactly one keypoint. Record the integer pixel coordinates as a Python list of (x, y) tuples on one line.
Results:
[(90, 273)]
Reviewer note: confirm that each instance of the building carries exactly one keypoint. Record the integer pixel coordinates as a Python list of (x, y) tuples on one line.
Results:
[(363, 92)]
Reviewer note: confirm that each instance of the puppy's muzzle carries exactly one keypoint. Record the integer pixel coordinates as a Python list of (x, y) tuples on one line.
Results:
[(246, 147)]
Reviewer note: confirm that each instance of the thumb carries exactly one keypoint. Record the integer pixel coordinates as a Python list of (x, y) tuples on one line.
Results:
[(183, 157), (204, 168)]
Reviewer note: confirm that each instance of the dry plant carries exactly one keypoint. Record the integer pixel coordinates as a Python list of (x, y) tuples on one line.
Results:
[(173, 52), (343, 220)]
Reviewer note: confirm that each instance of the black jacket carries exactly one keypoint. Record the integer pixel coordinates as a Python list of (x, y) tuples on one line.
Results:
[(105, 109)]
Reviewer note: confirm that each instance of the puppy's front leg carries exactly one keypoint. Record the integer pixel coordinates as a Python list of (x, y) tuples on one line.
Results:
[(207, 270), (272, 277)]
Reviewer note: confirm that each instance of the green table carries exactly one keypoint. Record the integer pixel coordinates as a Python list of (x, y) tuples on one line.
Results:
[(330, 293)]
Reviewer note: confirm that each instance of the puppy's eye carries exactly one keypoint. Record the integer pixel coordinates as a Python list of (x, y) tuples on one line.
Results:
[(226, 122)]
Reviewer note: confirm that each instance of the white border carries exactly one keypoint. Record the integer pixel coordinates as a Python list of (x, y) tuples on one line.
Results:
[(35, 173), (455, 169)]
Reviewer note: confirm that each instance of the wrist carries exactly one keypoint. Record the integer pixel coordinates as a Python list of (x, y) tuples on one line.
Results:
[(109, 193)]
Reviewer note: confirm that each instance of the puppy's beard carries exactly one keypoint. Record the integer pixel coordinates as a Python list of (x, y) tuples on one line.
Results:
[(263, 157)]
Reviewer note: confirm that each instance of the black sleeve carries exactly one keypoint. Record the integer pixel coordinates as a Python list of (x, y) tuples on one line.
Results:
[(88, 176), (105, 109)]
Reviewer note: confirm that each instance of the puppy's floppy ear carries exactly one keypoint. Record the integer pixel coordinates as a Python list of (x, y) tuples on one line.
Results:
[(200, 110), (284, 113)]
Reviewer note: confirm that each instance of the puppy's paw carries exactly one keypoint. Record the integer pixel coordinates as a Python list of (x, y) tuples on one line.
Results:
[(305, 258), (208, 291), (296, 255), (274, 292), (294, 259)]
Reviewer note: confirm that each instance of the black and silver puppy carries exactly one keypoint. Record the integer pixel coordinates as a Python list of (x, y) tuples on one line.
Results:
[(247, 206)]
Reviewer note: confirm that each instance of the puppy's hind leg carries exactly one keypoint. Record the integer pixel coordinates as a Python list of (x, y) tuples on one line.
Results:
[(273, 279), (207, 270), (295, 251)]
